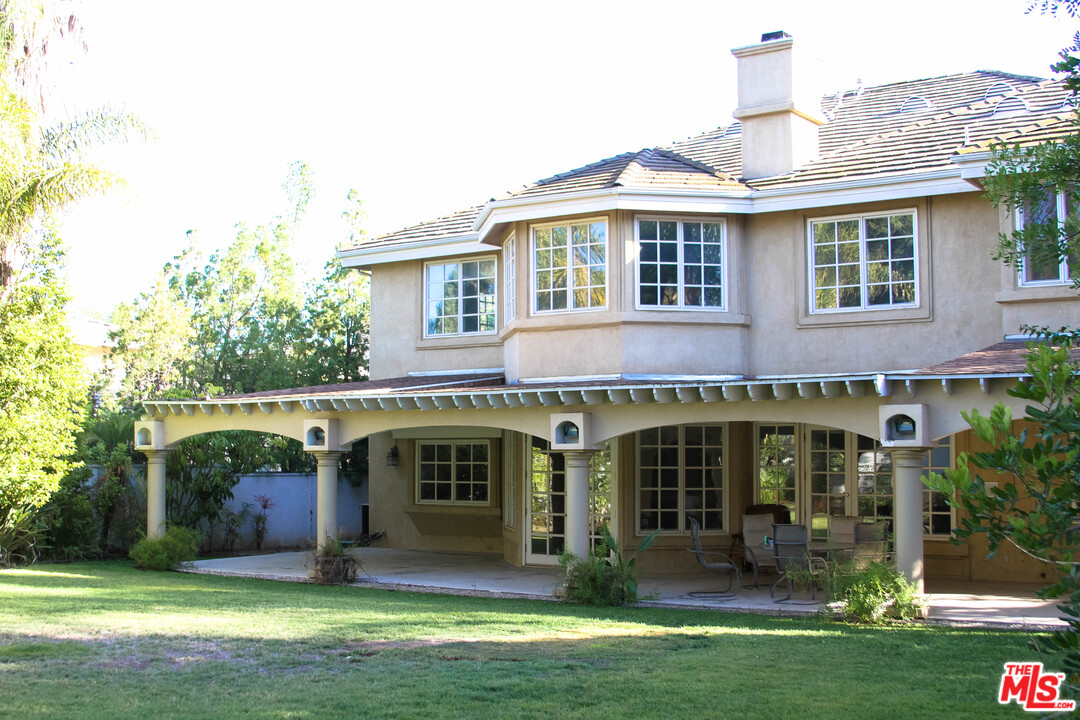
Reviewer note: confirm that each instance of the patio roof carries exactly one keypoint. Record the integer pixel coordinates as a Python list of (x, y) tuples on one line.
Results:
[(489, 389)]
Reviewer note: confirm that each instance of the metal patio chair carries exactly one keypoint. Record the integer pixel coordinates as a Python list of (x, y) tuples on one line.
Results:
[(791, 548), (871, 543), (713, 560)]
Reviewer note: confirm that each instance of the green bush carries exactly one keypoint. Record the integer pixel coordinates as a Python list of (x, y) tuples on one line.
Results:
[(22, 530), (604, 577), (72, 528), (873, 594), (179, 544)]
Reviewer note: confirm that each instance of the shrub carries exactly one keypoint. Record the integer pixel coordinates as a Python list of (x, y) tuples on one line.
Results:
[(179, 544), (21, 531), (604, 577), (333, 565), (873, 594)]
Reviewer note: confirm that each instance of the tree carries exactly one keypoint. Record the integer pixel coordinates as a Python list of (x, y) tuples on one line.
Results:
[(42, 385)]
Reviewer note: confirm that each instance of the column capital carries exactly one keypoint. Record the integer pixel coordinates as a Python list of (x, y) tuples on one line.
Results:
[(327, 456)]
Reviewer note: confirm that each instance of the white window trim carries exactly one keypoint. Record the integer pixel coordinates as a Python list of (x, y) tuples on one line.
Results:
[(452, 443), (1065, 273), (722, 222), (726, 494), (509, 280), (570, 276), (427, 335), (861, 217)]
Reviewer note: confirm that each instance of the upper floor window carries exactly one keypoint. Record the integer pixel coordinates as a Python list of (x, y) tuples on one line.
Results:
[(459, 297), (509, 278), (570, 266), (1043, 218), (680, 264), (863, 262)]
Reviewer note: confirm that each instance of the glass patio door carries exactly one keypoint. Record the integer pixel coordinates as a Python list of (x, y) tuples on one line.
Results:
[(827, 474)]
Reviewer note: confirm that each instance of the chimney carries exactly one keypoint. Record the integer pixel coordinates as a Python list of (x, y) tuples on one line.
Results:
[(779, 105)]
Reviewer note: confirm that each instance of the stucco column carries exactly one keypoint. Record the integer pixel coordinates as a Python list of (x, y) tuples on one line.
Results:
[(155, 492), (577, 501), (326, 496), (908, 512)]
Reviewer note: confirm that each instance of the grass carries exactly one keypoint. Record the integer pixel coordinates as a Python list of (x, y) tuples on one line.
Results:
[(102, 640)]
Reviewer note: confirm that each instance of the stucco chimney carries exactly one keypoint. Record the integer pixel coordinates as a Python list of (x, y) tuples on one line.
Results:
[(780, 90)]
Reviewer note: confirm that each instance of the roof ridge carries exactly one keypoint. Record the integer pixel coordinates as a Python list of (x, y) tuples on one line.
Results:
[(578, 170)]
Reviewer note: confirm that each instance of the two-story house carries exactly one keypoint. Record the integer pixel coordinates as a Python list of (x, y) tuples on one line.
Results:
[(792, 309)]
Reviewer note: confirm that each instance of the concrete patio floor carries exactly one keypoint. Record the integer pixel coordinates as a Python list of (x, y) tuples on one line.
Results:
[(970, 603)]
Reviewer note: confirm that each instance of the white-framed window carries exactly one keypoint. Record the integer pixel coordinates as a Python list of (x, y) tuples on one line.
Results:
[(680, 264), (1053, 209), (569, 266), (681, 475), (937, 514), (459, 297), (453, 472), (509, 279), (864, 262)]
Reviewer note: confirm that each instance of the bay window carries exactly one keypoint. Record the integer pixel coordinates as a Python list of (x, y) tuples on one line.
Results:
[(680, 264), (570, 266)]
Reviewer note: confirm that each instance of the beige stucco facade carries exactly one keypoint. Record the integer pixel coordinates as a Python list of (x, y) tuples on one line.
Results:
[(668, 394)]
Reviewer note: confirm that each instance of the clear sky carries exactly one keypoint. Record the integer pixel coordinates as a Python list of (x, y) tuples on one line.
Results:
[(430, 107)]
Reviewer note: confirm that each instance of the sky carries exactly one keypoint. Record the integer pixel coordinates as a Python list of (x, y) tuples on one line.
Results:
[(426, 108)]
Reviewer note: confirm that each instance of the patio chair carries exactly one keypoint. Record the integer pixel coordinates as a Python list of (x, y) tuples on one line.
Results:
[(713, 560), (755, 528), (842, 532), (871, 543), (791, 547)]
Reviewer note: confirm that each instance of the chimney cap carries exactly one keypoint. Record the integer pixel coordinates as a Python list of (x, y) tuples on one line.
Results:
[(775, 35)]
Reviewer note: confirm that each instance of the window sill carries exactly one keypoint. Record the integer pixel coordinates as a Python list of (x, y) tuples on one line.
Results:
[(864, 317), (1045, 293), (454, 342)]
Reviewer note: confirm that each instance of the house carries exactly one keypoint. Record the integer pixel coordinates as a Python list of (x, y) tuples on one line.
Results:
[(793, 308)]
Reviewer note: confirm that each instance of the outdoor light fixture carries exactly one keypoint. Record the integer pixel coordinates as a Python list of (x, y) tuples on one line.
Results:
[(392, 457)]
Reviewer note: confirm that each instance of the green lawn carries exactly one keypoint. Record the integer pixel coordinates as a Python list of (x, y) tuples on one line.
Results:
[(102, 640)]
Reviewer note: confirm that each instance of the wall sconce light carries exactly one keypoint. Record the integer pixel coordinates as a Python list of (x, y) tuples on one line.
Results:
[(392, 457)]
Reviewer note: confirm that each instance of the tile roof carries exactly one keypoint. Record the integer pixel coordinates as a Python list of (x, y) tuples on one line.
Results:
[(867, 136), (1005, 358)]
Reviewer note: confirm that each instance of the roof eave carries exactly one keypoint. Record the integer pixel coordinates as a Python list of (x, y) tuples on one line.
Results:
[(904, 385)]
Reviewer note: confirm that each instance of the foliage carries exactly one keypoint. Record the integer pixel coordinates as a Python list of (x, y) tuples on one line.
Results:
[(604, 577), (73, 530), (333, 565), (232, 524), (872, 593), (1035, 502), (21, 533), (177, 545), (202, 471), (42, 385), (266, 504), (1026, 177)]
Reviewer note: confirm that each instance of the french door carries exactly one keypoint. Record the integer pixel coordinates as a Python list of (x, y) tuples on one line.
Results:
[(545, 502), (820, 472)]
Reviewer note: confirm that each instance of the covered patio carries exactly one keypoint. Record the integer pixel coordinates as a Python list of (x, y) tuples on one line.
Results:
[(952, 602)]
